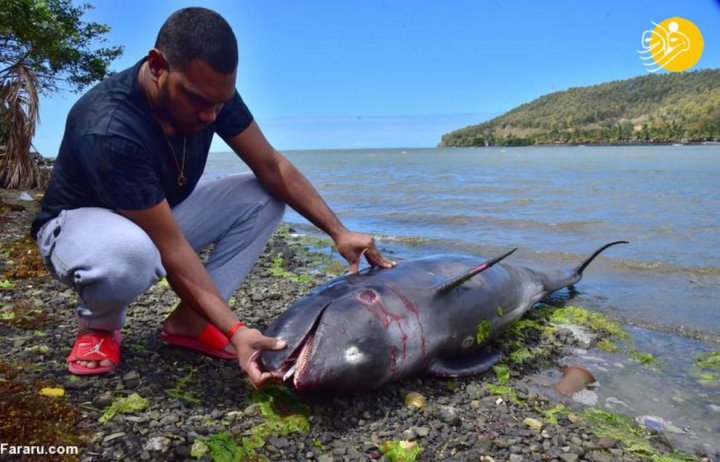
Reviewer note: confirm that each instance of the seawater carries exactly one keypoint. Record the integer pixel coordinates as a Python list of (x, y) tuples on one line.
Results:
[(557, 204)]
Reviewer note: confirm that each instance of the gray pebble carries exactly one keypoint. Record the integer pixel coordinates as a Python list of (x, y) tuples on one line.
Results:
[(113, 436), (449, 415), (280, 443), (599, 456), (483, 443), (158, 444), (515, 449), (569, 457), (132, 375)]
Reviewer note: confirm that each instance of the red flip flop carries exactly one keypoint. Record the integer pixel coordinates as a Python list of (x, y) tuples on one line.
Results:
[(95, 346), (211, 342)]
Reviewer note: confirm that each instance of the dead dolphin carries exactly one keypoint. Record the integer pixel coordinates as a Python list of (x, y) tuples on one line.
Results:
[(430, 315)]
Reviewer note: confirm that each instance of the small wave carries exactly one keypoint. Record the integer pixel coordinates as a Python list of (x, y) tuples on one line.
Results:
[(662, 267), (433, 219)]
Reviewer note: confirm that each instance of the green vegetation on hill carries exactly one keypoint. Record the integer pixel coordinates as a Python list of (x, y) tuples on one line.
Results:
[(648, 109)]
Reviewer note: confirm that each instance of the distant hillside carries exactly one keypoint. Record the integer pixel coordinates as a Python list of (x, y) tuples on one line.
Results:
[(649, 109)]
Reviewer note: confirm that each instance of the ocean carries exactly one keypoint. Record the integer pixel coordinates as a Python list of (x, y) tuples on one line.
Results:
[(557, 204)]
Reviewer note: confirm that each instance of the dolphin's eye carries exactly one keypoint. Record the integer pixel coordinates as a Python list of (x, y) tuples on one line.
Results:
[(368, 297), (468, 342)]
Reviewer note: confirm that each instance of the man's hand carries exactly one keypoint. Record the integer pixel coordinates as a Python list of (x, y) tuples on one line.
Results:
[(352, 246), (249, 343)]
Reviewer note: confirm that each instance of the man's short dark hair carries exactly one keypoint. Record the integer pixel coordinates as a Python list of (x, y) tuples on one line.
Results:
[(198, 33)]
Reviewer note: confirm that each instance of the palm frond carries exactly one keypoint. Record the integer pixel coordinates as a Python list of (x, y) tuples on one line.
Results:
[(19, 115)]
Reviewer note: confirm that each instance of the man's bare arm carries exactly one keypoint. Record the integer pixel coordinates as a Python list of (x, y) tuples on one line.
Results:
[(191, 281), (285, 182)]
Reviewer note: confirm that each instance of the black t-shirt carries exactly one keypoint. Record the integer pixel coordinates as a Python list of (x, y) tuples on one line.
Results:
[(115, 155)]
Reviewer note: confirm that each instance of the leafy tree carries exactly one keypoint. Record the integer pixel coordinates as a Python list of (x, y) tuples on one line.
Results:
[(45, 46)]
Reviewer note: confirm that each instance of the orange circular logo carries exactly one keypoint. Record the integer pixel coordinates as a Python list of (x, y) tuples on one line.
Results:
[(675, 44)]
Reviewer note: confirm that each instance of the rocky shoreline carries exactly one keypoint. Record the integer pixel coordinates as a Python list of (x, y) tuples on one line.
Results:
[(165, 403)]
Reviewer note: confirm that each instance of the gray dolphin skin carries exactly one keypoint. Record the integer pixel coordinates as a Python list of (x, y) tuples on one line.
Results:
[(361, 331)]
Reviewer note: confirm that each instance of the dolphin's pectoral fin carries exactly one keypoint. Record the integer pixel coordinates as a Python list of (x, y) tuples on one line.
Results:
[(463, 278), (466, 365)]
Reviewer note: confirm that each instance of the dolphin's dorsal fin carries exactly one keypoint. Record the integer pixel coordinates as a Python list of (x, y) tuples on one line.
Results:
[(460, 280)]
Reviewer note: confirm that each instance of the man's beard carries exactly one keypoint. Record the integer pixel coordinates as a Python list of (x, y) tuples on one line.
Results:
[(164, 108)]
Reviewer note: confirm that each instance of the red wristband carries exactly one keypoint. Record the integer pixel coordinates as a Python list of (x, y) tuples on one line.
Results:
[(238, 325)]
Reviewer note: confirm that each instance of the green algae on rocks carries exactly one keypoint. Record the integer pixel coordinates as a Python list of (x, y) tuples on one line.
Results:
[(636, 438), (401, 451), (604, 326), (130, 404), (706, 368), (283, 413), (595, 321), (502, 373), (279, 271), (180, 391), (482, 332)]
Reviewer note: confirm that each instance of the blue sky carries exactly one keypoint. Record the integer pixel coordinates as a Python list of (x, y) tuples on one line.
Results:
[(347, 74)]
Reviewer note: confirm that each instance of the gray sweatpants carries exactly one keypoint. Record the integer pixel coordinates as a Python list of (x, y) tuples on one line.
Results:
[(109, 260)]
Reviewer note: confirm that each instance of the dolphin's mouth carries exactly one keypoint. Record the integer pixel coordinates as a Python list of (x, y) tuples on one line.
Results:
[(298, 361)]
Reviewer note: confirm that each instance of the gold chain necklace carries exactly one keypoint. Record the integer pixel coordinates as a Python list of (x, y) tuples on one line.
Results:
[(181, 178)]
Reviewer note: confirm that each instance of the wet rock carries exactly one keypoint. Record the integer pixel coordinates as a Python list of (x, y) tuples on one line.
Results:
[(416, 400), (473, 391), (113, 436), (599, 456), (449, 415), (198, 449), (157, 444), (515, 449), (533, 423), (168, 419), (612, 402), (658, 423), (326, 439), (483, 443), (586, 397), (280, 443), (501, 442), (182, 451)]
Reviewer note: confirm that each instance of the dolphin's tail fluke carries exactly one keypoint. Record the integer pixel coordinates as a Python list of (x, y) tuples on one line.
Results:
[(553, 284), (581, 267)]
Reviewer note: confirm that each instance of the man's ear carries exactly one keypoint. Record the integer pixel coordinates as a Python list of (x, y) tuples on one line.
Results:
[(157, 63)]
